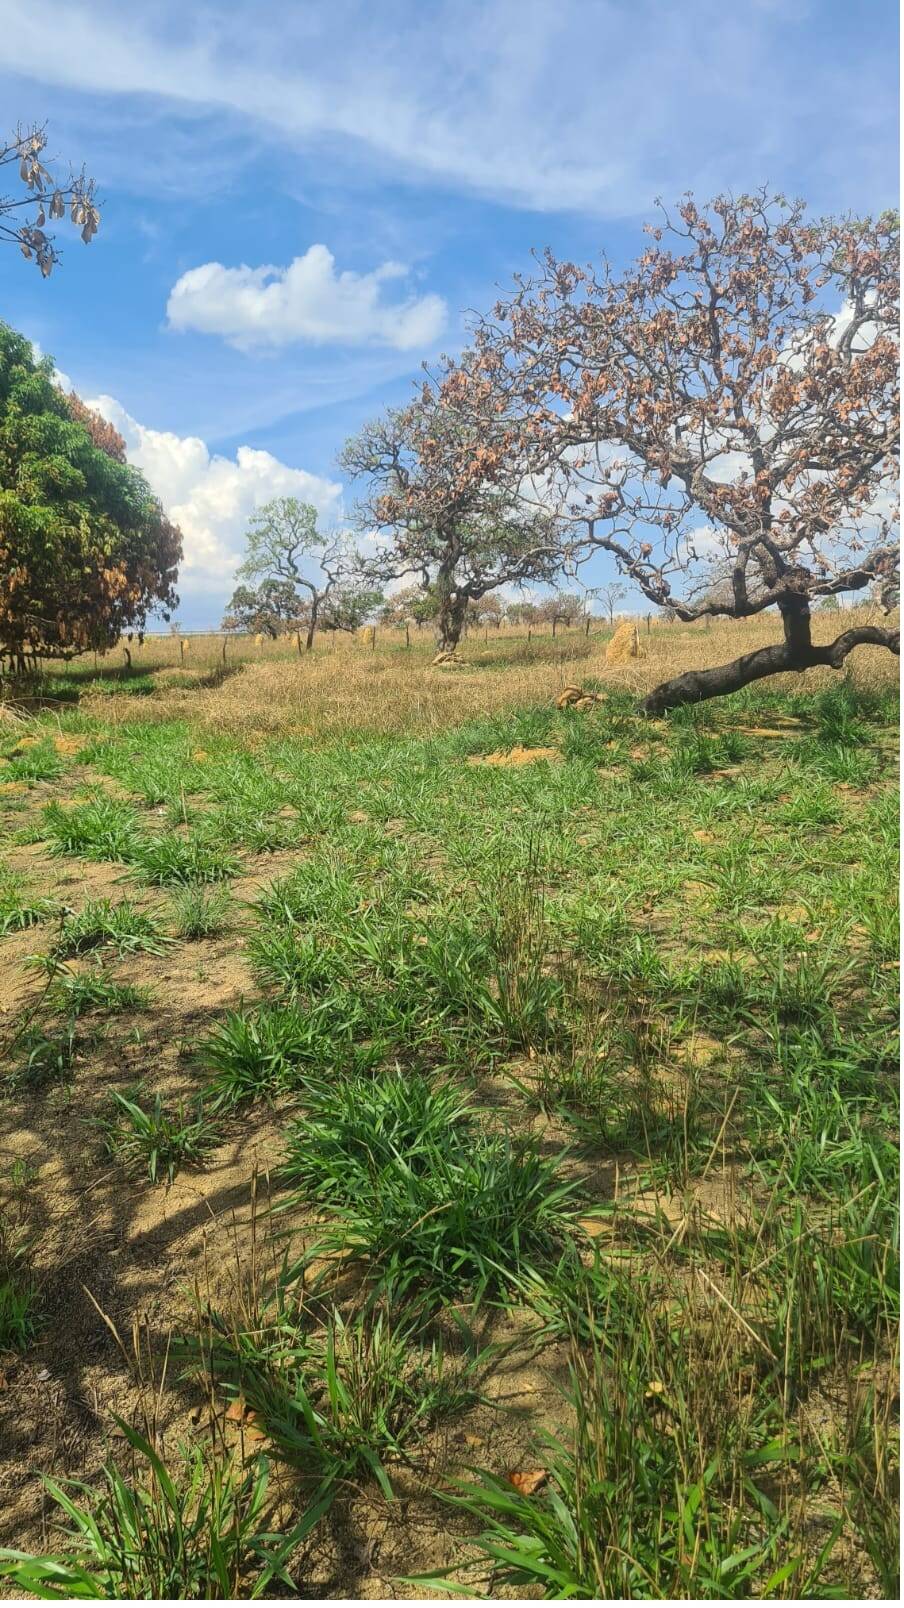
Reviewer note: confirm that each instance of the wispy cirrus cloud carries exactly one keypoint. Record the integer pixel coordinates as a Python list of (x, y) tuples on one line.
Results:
[(307, 301), (589, 104)]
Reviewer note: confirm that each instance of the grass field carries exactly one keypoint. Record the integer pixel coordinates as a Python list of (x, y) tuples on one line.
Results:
[(447, 1136)]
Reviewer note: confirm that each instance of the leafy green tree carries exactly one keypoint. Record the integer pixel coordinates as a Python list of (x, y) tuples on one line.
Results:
[(285, 546), (350, 605), (86, 551), (410, 605), (274, 607), (523, 613)]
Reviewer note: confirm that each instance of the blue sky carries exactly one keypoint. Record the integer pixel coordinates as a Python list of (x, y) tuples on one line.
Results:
[(301, 202)]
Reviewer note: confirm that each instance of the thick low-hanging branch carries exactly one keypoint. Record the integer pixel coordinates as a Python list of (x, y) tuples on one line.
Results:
[(722, 418)]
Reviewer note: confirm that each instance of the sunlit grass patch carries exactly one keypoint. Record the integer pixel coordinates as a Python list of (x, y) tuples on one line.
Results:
[(83, 992), (101, 829), (194, 1528), (200, 911), (19, 908), (122, 926), (40, 763), (425, 1204)]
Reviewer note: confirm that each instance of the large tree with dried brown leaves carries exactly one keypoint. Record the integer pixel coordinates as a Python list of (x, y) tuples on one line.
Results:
[(722, 418), (436, 493)]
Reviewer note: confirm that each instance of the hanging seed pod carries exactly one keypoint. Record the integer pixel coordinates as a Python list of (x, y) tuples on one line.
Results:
[(23, 170), (26, 251), (56, 206), (41, 218)]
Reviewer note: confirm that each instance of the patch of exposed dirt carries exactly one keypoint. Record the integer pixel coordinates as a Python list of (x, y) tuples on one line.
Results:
[(516, 756)]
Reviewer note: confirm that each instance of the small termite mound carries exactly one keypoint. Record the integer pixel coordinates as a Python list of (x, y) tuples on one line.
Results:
[(625, 644)]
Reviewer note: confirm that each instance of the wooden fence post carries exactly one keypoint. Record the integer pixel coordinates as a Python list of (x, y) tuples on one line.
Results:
[(224, 650), (407, 635), (649, 623)]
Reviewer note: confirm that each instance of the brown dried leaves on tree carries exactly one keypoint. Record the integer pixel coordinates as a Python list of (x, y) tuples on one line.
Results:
[(722, 418), (44, 200)]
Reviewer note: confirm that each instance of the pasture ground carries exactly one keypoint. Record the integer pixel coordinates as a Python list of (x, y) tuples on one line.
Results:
[(398, 1072)]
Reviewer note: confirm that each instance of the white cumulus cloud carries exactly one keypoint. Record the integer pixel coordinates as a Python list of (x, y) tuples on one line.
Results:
[(210, 497), (307, 301)]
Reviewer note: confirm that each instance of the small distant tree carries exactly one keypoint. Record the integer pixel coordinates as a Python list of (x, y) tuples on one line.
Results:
[(86, 551), (486, 611), (285, 548), (272, 608), (523, 613), (23, 217), (350, 605), (728, 408), (430, 492), (414, 605), (610, 596), (562, 608)]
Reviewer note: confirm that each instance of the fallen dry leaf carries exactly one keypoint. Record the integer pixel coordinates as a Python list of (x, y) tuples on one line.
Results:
[(529, 1481)]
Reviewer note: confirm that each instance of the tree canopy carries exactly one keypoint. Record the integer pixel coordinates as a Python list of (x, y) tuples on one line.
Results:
[(272, 608), (86, 551), (722, 417), (286, 549), (444, 513)]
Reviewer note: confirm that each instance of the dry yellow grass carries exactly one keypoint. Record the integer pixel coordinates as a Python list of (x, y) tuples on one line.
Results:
[(344, 685)]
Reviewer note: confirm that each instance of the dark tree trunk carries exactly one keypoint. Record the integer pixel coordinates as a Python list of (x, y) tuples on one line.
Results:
[(797, 652), (312, 626), (450, 619)]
